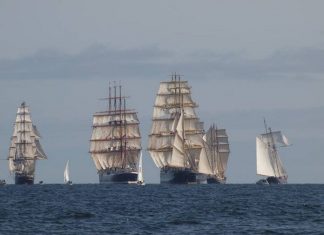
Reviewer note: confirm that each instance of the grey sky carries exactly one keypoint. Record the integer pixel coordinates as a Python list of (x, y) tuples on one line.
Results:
[(244, 60)]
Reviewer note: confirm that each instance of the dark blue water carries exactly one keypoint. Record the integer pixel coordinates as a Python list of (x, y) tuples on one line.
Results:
[(156, 209)]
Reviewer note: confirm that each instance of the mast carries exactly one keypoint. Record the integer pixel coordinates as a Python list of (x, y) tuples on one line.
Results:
[(215, 148), (109, 107), (121, 130), (182, 124), (272, 145), (274, 152), (124, 122), (265, 126), (24, 129)]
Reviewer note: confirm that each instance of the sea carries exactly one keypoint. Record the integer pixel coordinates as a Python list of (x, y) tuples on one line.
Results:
[(162, 209)]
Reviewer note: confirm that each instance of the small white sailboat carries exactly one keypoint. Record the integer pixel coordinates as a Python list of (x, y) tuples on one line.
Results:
[(67, 174), (140, 178)]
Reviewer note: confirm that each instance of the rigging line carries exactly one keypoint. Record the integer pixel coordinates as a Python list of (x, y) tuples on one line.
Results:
[(265, 125), (109, 107)]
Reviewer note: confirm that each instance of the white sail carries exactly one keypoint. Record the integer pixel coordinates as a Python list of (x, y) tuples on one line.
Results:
[(263, 159), (275, 136), (178, 153), (140, 177), (268, 160), (40, 154), (204, 163), (67, 173)]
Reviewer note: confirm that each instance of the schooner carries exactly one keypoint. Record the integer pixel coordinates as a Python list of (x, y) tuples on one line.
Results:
[(115, 143), (25, 147), (176, 142), (267, 158)]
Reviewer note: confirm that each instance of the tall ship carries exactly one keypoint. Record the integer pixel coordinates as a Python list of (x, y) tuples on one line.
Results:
[(267, 158), (25, 148), (218, 145), (115, 143), (176, 142)]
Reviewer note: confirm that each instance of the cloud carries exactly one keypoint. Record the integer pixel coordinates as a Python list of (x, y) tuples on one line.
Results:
[(96, 61), (99, 61), (297, 62)]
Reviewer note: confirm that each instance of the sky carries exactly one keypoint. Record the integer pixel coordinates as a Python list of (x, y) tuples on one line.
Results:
[(245, 61)]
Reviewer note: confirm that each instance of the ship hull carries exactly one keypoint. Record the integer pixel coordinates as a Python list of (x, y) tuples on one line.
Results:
[(181, 176), (272, 180), (113, 177), (215, 180), (24, 179)]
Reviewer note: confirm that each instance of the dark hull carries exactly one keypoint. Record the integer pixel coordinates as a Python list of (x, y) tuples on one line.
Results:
[(181, 176), (215, 180), (24, 179), (113, 177), (273, 180)]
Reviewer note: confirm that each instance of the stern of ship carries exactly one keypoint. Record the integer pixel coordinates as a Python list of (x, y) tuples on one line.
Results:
[(215, 180), (181, 176), (24, 179), (117, 177), (277, 180)]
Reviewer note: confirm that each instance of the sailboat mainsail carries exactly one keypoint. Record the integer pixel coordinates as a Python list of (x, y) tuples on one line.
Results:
[(176, 142), (267, 158), (25, 147), (140, 178), (67, 174), (115, 143)]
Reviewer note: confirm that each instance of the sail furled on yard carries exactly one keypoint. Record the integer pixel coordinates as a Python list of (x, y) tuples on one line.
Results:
[(25, 145), (115, 141), (267, 157), (176, 137), (218, 145)]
